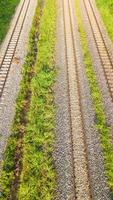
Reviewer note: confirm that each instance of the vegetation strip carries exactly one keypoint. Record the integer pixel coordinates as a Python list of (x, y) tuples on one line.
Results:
[(12, 159), (100, 118), (106, 10), (5, 17), (38, 175)]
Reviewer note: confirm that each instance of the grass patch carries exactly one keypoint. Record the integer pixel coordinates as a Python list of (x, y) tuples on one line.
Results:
[(7, 9), (38, 175), (15, 143), (100, 118), (106, 10)]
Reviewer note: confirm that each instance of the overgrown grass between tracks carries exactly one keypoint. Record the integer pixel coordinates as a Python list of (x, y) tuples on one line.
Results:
[(38, 174), (33, 128), (7, 9), (106, 11), (100, 118)]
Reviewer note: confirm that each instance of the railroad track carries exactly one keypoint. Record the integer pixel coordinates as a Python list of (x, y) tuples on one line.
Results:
[(102, 49), (12, 45), (79, 153)]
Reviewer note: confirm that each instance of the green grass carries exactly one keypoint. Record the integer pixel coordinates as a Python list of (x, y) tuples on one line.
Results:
[(37, 180), (100, 118), (106, 10), (38, 174), (7, 9)]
